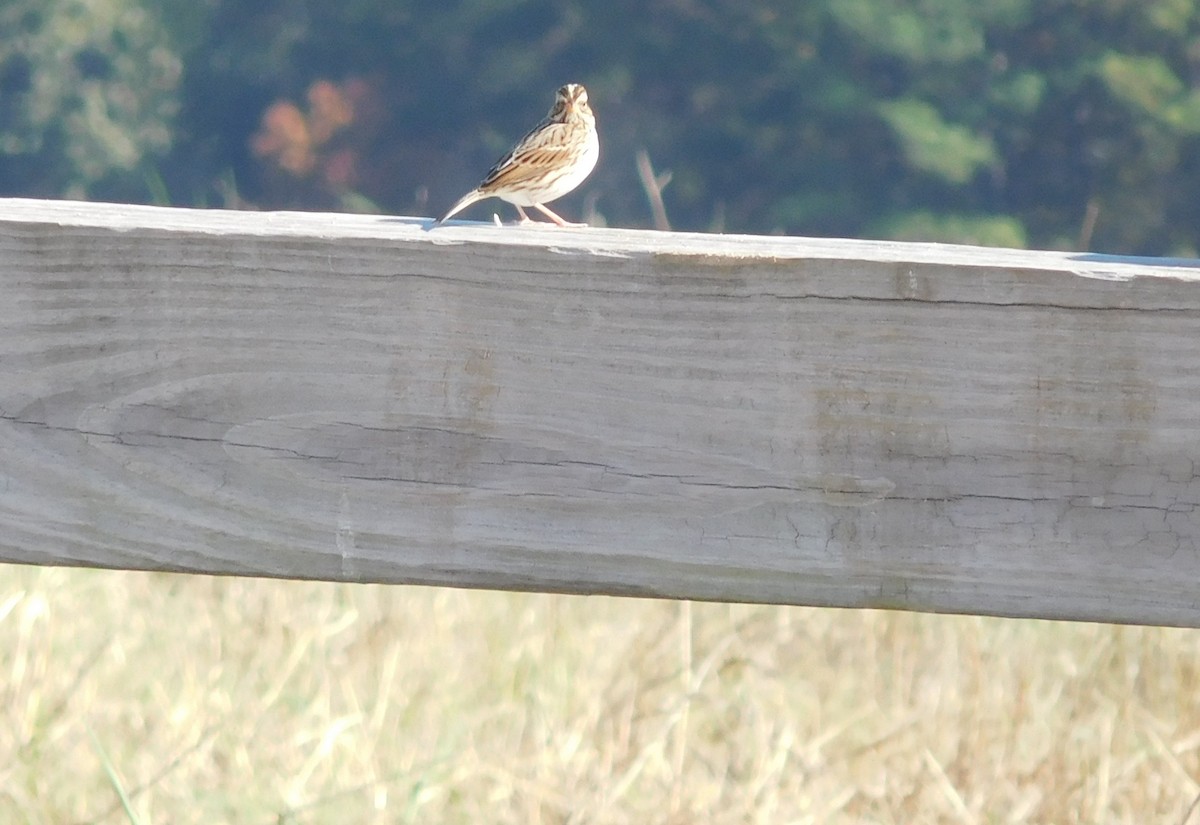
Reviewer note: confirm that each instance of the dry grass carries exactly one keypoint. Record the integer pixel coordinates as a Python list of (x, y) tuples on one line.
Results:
[(249, 701)]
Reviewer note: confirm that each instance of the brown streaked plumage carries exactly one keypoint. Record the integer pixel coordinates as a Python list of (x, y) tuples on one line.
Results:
[(550, 161)]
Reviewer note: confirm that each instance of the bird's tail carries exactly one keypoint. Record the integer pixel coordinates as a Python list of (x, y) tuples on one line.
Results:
[(463, 202)]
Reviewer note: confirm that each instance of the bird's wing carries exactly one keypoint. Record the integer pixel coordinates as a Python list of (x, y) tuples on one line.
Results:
[(545, 147)]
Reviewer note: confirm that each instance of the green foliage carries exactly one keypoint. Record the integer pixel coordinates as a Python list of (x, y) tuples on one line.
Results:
[(932, 145), (984, 230), (1012, 121), (1146, 85), (925, 32), (87, 93)]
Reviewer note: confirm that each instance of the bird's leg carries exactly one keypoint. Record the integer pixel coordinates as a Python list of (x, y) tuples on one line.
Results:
[(524, 217), (555, 217)]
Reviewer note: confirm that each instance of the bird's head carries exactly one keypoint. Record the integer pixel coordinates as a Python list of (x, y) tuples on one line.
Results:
[(571, 101)]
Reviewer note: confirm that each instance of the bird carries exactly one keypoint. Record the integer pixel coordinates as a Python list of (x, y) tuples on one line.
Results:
[(550, 161)]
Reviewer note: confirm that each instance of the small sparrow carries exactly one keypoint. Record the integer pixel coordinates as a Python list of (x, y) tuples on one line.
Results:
[(547, 163)]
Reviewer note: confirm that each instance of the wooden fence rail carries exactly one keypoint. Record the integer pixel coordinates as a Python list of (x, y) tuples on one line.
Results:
[(600, 411)]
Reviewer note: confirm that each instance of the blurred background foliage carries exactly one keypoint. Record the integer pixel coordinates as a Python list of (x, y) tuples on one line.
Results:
[(1069, 124)]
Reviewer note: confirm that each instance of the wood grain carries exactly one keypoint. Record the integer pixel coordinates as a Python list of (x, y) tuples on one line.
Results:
[(600, 411)]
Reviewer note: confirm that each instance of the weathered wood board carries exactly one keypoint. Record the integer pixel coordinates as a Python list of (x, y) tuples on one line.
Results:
[(600, 411)]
